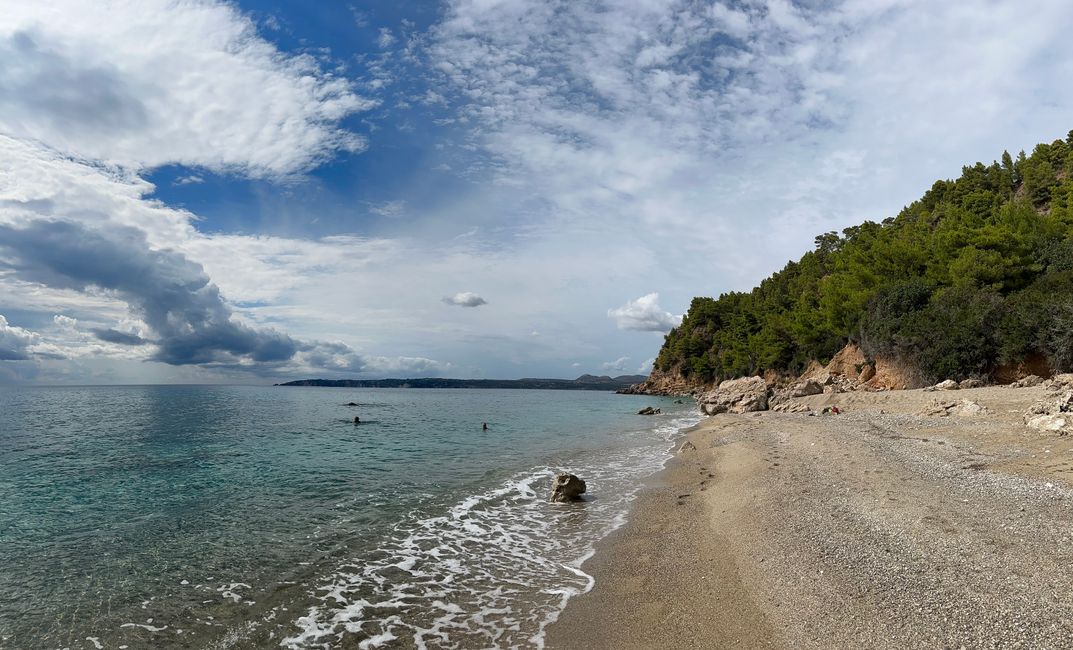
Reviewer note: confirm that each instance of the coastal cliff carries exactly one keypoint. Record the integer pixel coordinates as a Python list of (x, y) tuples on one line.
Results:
[(972, 281)]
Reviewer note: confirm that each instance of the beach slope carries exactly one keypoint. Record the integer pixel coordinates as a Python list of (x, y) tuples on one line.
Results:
[(878, 527)]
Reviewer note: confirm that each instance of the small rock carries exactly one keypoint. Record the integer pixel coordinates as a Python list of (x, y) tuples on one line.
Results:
[(567, 488), (648, 410), (970, 383), (687, 446)]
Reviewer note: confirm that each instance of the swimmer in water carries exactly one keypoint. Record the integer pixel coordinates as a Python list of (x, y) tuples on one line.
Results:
[(357, 420), (484, 427)]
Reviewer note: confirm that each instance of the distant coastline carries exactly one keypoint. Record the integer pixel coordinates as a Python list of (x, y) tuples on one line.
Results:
[(584, 382)]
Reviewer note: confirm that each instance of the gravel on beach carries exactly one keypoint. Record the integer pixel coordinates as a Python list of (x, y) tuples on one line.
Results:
[(874, 528)]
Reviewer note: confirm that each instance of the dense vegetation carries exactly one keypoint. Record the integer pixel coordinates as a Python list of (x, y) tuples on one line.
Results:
[(975, 274)]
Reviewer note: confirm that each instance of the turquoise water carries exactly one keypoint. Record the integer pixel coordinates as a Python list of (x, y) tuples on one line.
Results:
[(241, 517)]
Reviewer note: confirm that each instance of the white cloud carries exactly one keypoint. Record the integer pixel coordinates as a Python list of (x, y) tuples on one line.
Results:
[(617, 365), (465, 299), (644, 315), (146, 83), (189, 179), (15, 342), (646, 367), (385, 39), (394, 208)]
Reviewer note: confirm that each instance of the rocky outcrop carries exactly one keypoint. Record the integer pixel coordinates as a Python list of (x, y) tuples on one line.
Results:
[(648, 410), (970, 383), (1052, 414), (892, 374), (567, 488), (736, 396), (669, 384)]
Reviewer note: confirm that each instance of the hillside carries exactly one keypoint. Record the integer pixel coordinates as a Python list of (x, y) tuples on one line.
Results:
[(974, 279), (584, 382)]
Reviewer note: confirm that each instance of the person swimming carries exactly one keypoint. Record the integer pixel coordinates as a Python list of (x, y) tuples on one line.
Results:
[(357, 420), (484, 426)]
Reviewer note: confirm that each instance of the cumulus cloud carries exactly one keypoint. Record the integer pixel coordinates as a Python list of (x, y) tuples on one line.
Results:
[(142, 84), (618, 365), (172, 294), (14, 341), (644, 315), (465, 299)]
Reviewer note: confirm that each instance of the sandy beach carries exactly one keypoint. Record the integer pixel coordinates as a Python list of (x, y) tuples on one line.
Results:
[(874, 528)]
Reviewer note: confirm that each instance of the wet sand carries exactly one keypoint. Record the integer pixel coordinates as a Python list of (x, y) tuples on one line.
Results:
[(876, 528)]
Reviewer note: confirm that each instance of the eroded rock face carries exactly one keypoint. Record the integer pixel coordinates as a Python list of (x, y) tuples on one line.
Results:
[(1053, 414), (567, 488), (736, 396)]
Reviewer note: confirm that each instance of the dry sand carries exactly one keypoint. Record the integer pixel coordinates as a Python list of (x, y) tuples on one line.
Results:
[(876, 528)]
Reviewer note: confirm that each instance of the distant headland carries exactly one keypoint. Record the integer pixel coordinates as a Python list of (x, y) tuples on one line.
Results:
[(584, 382)]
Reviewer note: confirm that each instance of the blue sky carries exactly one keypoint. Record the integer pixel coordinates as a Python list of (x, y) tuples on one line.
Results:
[(250, 192)]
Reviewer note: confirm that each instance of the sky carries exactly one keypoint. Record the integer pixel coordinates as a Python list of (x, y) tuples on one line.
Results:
[(253, 192)]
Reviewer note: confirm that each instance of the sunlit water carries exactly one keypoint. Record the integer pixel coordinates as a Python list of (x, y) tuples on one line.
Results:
[(240, 517)]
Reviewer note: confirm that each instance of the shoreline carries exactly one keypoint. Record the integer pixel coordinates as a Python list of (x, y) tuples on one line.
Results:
[(876, 528)]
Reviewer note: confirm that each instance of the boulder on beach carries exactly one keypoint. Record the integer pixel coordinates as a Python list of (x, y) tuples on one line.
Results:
[(806, 388), (970, 383), (1027, 382), (1052, 414), (648, 410), (736, 396), (958, 408), (687, 446), (567, 488)]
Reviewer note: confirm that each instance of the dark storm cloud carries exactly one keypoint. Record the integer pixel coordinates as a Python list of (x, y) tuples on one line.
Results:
[(172, 294), (120, 338)]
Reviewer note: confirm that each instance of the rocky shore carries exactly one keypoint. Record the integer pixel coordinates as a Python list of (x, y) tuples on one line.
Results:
[(866, 520)]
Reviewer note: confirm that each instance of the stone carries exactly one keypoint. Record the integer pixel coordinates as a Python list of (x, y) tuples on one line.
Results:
[(736, 396), (1027, 382), (958, 408), (970, 383), (687, 446), (1063, 381), (1052, 414), (949, 384), (648, 410), (806, 388), (567, 488)]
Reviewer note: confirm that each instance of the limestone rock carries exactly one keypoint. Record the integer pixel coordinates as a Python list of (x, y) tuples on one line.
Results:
[(806, 388), (1053, 413), (970, 383), (1027, 382), (736, 396), (567, 488), (958, 408), (648, 410), (1061, 382)]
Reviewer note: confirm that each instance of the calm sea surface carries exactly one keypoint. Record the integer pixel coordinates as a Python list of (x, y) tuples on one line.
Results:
[(243, 517)]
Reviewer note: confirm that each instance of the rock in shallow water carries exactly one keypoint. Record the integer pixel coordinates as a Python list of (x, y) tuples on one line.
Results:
[(567, 488)]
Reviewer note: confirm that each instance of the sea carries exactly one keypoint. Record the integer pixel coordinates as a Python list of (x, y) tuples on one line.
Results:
[(263, 517)]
